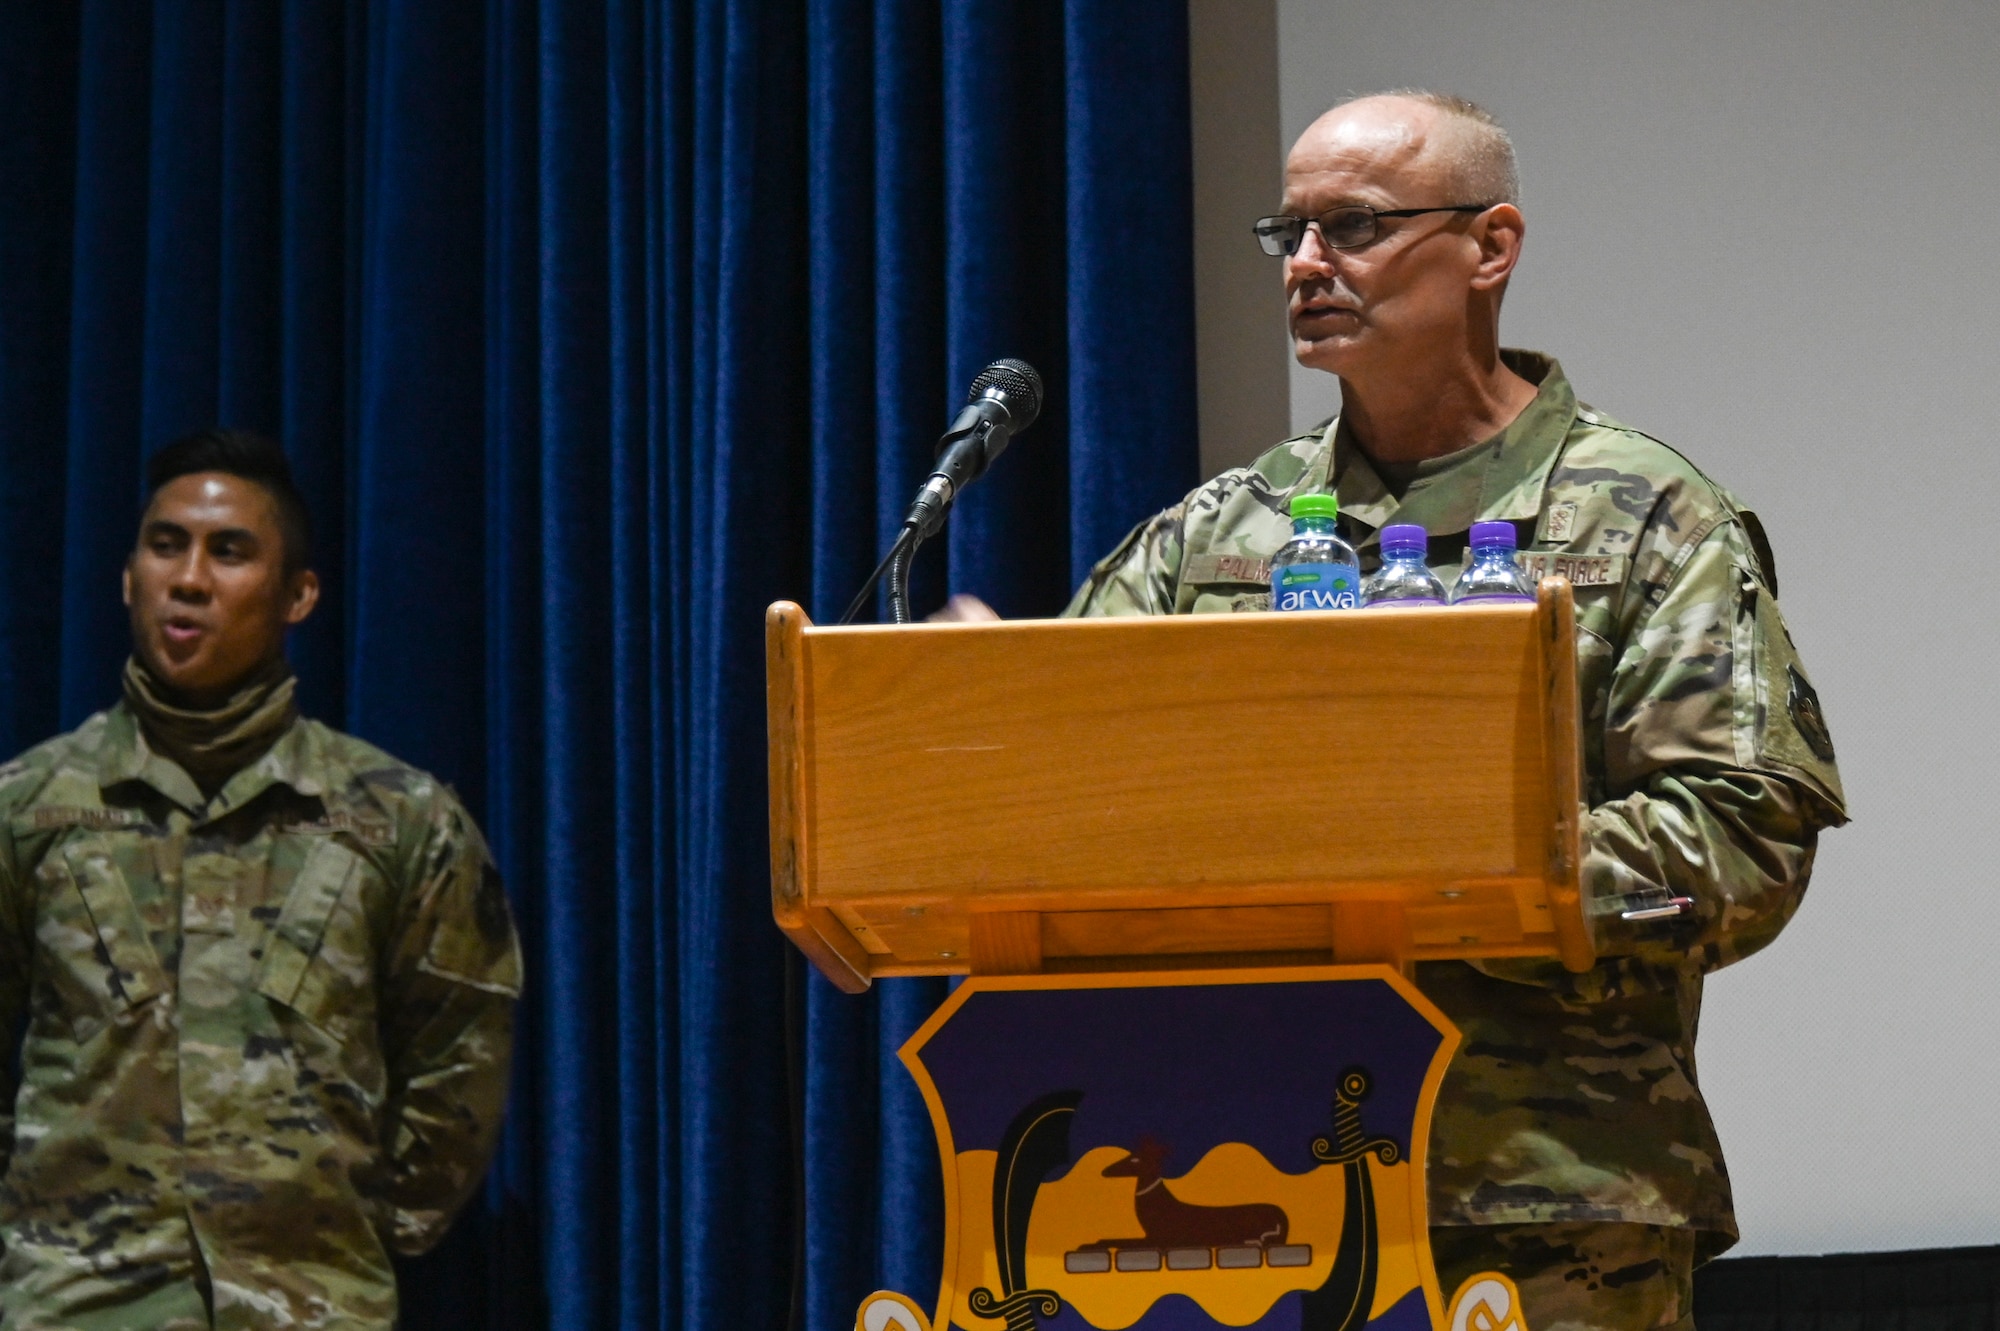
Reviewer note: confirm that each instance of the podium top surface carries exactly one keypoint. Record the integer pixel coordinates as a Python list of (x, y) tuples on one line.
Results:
[(1420, 756)]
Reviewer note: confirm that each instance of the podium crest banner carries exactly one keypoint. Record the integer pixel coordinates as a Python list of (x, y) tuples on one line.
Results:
[(1170, 1151)]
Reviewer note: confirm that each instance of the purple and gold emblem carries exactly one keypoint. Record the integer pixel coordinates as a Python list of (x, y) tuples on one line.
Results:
[(1166, 1152)]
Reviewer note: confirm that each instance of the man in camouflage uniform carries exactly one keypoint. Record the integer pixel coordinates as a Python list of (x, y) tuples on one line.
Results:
[(1571, 1149), (267, 972)]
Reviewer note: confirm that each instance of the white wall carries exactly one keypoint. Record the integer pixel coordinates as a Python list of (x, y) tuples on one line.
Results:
[(1770, 233), (1241, 346)]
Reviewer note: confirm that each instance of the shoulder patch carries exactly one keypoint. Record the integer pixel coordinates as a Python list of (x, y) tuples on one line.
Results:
[(489, 907), (1807, 716), (1760, 545)]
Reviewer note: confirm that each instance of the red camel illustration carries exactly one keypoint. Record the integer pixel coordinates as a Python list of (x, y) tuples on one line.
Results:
[(1170, 1222)]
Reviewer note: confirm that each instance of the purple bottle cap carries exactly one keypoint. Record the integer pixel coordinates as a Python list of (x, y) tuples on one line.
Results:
[(1491, 535), (1404, 538)]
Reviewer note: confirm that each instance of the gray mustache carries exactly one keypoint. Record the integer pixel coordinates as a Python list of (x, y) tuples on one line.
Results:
[(1335, 291)]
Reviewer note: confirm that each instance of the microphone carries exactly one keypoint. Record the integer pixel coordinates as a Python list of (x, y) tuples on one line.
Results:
[(1004, 400)]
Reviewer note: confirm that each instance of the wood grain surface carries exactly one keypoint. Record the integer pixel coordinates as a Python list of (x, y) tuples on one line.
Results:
[(1374, 785)]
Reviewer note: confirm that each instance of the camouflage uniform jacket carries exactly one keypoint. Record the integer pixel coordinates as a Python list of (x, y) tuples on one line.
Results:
[(267, 1035), (1708, 772)]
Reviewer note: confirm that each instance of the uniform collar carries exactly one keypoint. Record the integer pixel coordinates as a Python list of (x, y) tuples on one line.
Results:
[(1503, 477), (125, 756)]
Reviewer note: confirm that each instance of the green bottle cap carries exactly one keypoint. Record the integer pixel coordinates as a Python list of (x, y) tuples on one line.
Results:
[(1315, 506)]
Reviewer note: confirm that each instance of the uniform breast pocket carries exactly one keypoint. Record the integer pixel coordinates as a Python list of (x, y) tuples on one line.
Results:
[(319, 958), (90, 943)]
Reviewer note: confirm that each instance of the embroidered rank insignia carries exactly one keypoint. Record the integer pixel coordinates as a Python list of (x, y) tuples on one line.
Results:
[(1559, 522)]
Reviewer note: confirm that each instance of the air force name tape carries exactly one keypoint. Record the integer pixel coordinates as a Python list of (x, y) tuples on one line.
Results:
[(1581, 570)]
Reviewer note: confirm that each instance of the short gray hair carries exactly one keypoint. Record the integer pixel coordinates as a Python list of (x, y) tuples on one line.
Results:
[(1479, 155)]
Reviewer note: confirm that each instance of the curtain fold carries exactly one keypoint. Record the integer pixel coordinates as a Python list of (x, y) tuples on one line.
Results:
[(592, 328), (39, 170), (108, 252), (313, 291)]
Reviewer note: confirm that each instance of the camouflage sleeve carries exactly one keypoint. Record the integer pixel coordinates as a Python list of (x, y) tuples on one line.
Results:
[(1720, 782), (14, 956), (450, 984), (1138, 577)]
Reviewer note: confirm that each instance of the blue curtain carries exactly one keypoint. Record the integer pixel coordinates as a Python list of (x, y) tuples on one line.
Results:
[(592, 328)]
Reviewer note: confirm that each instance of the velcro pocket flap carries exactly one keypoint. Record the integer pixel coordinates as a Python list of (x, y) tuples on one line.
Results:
[(135, 968), (329, 867)]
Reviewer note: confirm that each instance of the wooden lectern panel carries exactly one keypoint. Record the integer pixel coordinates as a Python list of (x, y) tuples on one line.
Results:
[(1361, 785)]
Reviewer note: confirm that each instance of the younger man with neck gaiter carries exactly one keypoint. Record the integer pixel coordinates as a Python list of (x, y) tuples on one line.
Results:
[(267, 972)]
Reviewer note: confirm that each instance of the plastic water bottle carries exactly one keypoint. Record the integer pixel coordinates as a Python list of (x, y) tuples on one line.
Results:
[(1316, 570), (1492, 573), (1404, 578)]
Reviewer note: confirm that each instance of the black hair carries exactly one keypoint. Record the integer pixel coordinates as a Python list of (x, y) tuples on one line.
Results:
[(254, 457)]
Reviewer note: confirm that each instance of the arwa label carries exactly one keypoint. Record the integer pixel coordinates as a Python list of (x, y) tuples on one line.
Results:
[(1581, 570), (1316, 587)]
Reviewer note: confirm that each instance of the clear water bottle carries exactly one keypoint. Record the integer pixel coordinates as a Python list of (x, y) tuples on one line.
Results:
[(1316, 570), (1492, 573), (1404, 578)]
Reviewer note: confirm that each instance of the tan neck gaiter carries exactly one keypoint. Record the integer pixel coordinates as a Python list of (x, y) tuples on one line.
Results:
[(213, 746)]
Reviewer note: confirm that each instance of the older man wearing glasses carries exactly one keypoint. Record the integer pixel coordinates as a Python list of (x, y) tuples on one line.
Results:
[(1571, 1148)]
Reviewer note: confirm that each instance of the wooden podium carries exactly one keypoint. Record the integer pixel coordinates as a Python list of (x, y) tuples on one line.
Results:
[(1031, 796), (1189, 860)]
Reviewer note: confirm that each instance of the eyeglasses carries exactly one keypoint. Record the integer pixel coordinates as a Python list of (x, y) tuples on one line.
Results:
[(1345, 228)]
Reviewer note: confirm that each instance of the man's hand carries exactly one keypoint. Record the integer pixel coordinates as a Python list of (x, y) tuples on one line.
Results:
[(963, 609)]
